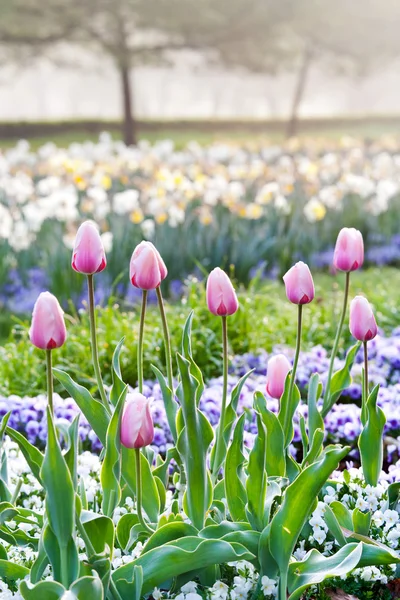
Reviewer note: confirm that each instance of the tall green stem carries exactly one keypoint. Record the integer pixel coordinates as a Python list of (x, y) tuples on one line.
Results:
[(336, 344), (365, 386), (49, 381), (220, 433), (282, 587), (93, 339), (295, 362), (168, 362), (140, 342), (139, 491)]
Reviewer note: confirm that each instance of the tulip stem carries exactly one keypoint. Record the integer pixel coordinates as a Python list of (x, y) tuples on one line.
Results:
[(49, 381), (140, 341), (216, 463), (168, 359), (93, 337), (139, 491), (295, 361), (365, 386), (326, 406)]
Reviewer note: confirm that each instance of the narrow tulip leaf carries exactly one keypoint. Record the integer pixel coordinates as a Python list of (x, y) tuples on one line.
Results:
[(315, 448), (275, 444), (40, 563), (216, 532), (32, 455), (193, 443), (195, 371), (342, 514), (131, 589), (287, 410), (110, 474), (268, 565), (178, 557), (315, 568), (170, 404), (235, 490), (168, 533), (118, 385), (340, 380), (124, 527), (361, 521), (60, 502), (45, 590), (162, 469), (315, 420), (94, 411), (334, 526), (377, 555), (370, 441), (291, 517), (393, 494), (230, 418), (71, 456), (256, 484)]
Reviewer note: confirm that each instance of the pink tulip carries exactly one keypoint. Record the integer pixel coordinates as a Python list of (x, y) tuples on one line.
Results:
[(137, 429), (362, 321), (299, 284), (349, 250), (221, 296), (277, 370), (147, 268), (48, 328), (88, 256)]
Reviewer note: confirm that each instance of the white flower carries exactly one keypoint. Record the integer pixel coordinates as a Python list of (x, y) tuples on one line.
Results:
[(125, 202), (156, 594), (148, 227), (319, 535), (193, 596), (107, 239), (190, 586), (268, 586)]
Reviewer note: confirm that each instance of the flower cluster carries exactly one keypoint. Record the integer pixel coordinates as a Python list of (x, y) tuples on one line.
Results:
[(198, 196)]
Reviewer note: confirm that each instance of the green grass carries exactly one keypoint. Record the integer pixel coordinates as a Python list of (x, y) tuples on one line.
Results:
[(272, 131), (265, 319)]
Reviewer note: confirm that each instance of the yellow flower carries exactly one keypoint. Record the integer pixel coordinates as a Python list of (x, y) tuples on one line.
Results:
[(161, 218), (253, 211), (137, 216), (314, 210), (106, 182)]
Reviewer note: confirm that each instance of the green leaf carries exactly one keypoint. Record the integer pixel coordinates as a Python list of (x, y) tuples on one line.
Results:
[(393, 494), (12, 571), (289, 520), (170, 404), (342, 514), (256, 483), (100, 530), (60, 504), (45, 590), (110, 475), (287, 410), (40, 563), (234, 477), (230, 418), (124, 527), (87, 588), (361, 521), (315, 568), (71, 456), (315, 420), (180, 556), (193, 443), (275, 448), (32, 455), (340, 380), (118, 385), (334, 526), (370, 441), (168, 533), (315, 448), (195, 371), (131, 589)]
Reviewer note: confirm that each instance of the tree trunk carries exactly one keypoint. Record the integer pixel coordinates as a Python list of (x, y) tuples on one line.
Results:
[(129, 132), (292, 125)]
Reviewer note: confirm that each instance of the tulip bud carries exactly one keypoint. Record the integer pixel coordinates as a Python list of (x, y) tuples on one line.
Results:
[(221, 296), (47, 328), (349, 250), (362, 321), (147, 268), (137, 429), (88, 256), (277, 370), (299, 284)]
